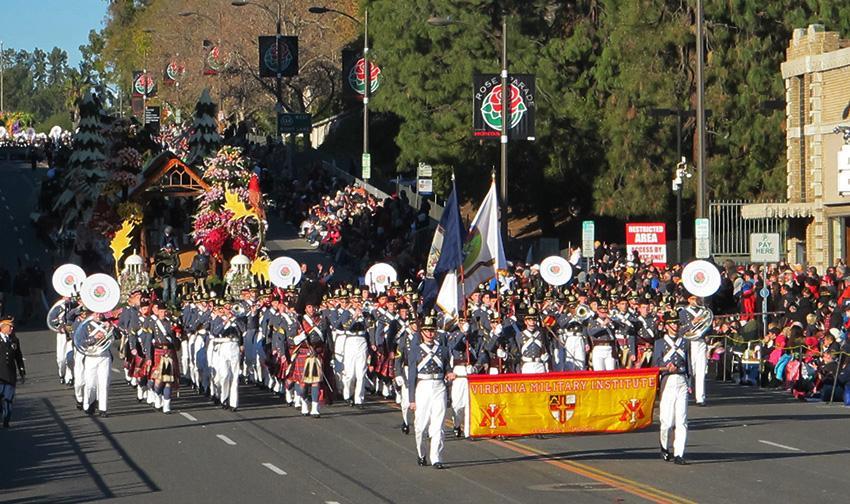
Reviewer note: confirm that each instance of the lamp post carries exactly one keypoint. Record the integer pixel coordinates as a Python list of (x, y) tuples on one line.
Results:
[(506, 103), (2, 70), (368, 68), (700, 78), (148, 32), (681, 174), (278, 82)]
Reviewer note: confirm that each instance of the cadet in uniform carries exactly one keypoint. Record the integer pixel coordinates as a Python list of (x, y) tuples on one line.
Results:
[(698, 350), (11, 365), (428, 370), (533, 345), (671, 356)]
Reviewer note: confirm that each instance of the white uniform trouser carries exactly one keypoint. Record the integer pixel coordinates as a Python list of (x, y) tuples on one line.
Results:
[(460, 397), (63, 349), (603, 358), (212, 351), (79, 376), (227, 371), (699, 365), (354, 368), (533, 367), (339, 356), (97, 381), (673, 412), (404, 395), (430, 413), (185, 368), (197, 358), (575, 355)]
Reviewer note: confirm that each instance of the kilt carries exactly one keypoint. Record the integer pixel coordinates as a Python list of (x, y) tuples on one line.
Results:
[(141, 367), (165, 372), (280, 362), (296, 369), (384, 363)]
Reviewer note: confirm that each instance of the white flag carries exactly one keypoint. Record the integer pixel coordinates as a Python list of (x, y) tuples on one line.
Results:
[(484, 254), (448, 300)]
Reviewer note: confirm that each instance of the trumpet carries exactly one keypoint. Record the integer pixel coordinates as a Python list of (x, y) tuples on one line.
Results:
[(583, 313)]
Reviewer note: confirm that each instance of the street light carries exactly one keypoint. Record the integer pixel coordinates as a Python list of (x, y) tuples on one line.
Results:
[(278, 82), (503, 176), (682, 173), (367, 91)]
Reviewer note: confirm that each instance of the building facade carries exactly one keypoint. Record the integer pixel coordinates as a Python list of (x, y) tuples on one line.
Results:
[(816, 72)]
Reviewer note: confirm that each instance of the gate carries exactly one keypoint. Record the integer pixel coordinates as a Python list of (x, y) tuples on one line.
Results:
[(730, 232)]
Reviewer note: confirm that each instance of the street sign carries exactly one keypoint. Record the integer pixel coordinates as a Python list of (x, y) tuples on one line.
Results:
[(588, 230), (366, 162), (764, 292), (424, 171), (764, 247), (702, 234), (294, 123), (425, 186), (648, 240), (151, 119)]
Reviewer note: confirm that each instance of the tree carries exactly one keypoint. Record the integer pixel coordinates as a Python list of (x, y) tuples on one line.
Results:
[(205, 138), (85, 172)]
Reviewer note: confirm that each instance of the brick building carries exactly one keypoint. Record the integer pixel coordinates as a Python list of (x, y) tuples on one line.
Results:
[(816, 72)]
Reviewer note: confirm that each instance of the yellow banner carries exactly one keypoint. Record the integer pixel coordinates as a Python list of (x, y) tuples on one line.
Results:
[(560, 403)]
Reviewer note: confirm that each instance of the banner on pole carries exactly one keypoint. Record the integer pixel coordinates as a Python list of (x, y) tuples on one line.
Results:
[(278, 56), (561, 403), (649, 240), (173, 73), (143, 84), (214, 59), (354, 74), (487, 106)]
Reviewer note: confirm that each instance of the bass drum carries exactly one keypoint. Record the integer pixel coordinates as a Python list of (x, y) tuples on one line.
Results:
[(55, 316)]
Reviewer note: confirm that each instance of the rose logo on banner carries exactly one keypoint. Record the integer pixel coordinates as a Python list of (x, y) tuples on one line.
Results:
[(357, 76), (174, 71), (144, 84), (493, 416), (562, 407), (491, 109), (270, 58)]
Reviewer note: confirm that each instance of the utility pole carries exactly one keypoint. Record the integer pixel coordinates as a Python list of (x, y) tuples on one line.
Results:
[(506, 114), (368, 90), (700, 143)]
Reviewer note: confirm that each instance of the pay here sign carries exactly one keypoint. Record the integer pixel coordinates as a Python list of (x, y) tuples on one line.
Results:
[(649, 240)]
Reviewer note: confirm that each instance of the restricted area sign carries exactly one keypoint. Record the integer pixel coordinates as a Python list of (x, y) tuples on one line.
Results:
[(764, 247), (648, 240), (588, 230)]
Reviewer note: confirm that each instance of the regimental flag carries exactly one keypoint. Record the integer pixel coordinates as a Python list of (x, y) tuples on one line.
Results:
[(354, 74), (483, 251), (449, 298), (143, 84), (278, 56), (446, 254)]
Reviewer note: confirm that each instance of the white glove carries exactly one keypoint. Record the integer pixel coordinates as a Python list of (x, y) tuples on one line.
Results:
[(464, 327), (399, 381), (498, 330), (501, 354), (544, 357), (298, 339)]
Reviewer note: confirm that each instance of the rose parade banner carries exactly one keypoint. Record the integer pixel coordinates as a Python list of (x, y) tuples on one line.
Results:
[(354, 74), (561, 403), (278, 56), (487, 106)]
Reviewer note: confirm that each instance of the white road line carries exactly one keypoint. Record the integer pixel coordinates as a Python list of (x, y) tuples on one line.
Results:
[(188, 417), (226, 439), (273, 468), (771, 443), (331, 502)]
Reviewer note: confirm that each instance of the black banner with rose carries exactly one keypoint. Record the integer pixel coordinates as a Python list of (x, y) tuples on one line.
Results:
[(487, 106), (274, 59)]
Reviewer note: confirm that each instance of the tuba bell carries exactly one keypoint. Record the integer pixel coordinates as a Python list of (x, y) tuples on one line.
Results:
[(93, 337), (583, 313), (55, 316), (700, 323)]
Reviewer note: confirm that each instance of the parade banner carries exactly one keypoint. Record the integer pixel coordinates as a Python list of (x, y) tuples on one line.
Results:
[(649, 240), (354, 74), (278, 58), (173, 72), (214, 59), (143, 84), (487, 106), (561, 403)]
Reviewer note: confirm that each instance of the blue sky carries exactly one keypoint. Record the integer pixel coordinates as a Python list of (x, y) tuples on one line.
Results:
[(27, 24)]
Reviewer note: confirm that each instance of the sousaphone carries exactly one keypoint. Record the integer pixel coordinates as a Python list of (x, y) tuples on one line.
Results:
[(556, 271), (702, 279), (67, 279), (380, 276), (284, 272), (99, 293)]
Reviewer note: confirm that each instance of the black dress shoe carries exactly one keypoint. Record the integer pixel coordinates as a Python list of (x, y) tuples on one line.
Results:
[(701, 404), (679, 461), (458, 432), (80, 405), (351, 402), (439, 465), (234, 410), (62, 381), (421, 461), (405, 429), (666, 456), (102, 414), (315, 415)]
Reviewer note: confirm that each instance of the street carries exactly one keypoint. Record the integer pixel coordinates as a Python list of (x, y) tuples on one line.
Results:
[(748, 445)]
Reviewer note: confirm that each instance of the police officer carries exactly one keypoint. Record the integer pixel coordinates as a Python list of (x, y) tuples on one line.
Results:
[(11, 365), (671, 356)]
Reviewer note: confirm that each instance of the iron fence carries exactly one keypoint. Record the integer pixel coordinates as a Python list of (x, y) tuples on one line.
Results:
[(730, 232)]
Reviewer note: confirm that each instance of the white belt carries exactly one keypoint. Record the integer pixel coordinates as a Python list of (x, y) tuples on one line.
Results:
[(432, 376), (532, 359)]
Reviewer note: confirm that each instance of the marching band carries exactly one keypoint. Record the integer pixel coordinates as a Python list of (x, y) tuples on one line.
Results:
[(377, 341)]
